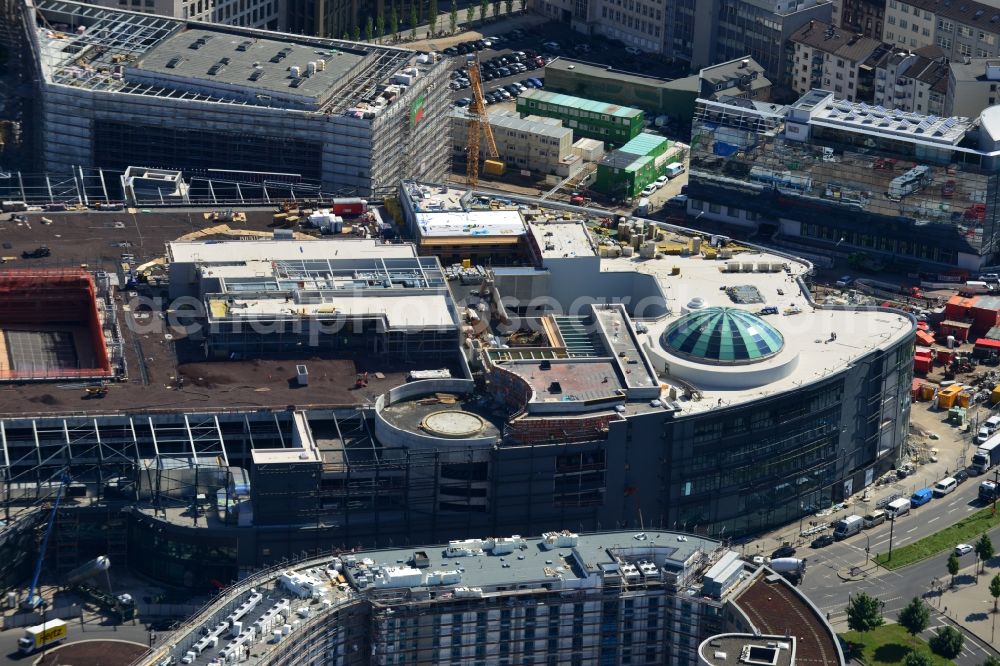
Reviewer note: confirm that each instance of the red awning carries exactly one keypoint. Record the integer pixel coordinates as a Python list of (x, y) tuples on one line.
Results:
[(925, 338), (986, 343)]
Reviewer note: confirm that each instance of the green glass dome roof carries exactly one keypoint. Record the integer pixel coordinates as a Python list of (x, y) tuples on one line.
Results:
[(725, 336)]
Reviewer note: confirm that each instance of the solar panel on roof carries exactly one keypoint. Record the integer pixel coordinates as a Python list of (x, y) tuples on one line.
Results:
[(932, 119)]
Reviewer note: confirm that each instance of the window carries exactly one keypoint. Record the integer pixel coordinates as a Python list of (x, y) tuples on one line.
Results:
[(891, 20), (947, 26), (944, 43), (965, 50), (903, 24), (927, 32), (915, 28), (964, 31), (905, 9)]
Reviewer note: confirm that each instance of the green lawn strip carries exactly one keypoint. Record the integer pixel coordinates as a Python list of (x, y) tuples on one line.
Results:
[(966, 530), (888, 645)]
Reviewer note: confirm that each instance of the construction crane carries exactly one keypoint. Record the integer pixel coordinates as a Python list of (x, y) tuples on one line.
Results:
[(478, 122), (34, 600)]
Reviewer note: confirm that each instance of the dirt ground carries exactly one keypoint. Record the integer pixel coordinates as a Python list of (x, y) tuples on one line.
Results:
[(93, 653)]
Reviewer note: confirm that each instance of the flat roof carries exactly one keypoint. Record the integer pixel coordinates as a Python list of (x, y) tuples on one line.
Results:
[(862, 117), (400, 311), (562, 239), (473, 223), (730, 649), (241, 61), (580, 103), (807, 334), (529, 124), (644, 143), (585, 68), (536, 564), (241, 251), (434, 198)]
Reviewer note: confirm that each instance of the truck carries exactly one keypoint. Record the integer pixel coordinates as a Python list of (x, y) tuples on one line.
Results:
[(986, 456), (41, 635), (987, 491), (674, 169), (791, 568), (847, 527)]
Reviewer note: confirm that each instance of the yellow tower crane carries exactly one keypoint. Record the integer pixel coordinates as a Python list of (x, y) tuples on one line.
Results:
[(478, 122)]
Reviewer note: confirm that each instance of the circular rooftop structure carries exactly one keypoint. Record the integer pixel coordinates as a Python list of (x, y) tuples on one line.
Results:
[(722, 336), (454, 424)]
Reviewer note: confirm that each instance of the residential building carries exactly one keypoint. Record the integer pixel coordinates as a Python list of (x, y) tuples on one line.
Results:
[(961, 29), (861, 17), (648, 598), (163, 93), (911, 82), (610, 123), (537, 144), (702, 32), (827, 57), (897, 185), (625, 172), (972, 86)]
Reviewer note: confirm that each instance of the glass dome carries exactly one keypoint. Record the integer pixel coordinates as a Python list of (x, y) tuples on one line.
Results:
[(722, 336)]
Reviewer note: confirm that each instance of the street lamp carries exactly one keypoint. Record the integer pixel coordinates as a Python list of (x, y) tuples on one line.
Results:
[(868, 547), (892, 524)]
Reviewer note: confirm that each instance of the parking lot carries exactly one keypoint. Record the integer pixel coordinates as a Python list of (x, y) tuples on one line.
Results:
[(531, 48)]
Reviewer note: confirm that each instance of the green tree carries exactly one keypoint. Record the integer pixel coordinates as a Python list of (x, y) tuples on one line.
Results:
[(380, 26), (995, 592), (369, 29), (470, 13), (984, 549), (495, 8), (483, 6), (394, 23), (947, 642), (864, 612), (917, 659), (915, 616), (346, 37), (453, 17), (432, 16), (356, 33), (991, 661), (413, 19), (953, 567), (508, 5)]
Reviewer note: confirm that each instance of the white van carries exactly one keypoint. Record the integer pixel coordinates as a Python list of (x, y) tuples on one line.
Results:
[(982, 435), (992, 423), (674, 169), (945, 486), (897, 508)]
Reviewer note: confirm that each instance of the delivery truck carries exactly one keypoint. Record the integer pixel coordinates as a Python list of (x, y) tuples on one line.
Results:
[(986, 456), (41, 635), (987, 491)]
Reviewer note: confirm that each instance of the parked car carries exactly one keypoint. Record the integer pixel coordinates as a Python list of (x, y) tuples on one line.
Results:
[(680, 201), (631, 50), (783, 551), (661, 181), (465, 101), (649, 189), (37, 253), (961, 476), (822, 541), (551, 46), (450, 51), (963, 549)]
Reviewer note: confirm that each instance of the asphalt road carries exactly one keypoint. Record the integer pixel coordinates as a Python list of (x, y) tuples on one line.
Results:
[(895, 588), (76, 631)]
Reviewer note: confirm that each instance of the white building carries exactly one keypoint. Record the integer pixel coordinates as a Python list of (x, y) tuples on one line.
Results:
[(830, 58), (913, 82), (972, 86), (962, 30), (533, 143)]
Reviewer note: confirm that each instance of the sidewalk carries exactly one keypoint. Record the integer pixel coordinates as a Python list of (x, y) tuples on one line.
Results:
[(466, 30), (969, 603)]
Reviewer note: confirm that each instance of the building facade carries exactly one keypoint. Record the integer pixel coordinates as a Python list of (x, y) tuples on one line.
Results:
[(887, 182), (201, 99), (604, 598), (864, 17), (533, 143), (826, 57), (610, 123), (911, 82), (625, 172), (972, 87), (961, 30)]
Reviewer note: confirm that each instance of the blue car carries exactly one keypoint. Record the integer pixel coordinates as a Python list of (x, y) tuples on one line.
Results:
[(921, 497)]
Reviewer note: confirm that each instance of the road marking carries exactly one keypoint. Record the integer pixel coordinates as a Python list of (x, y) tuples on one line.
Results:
[(955, 509), (913, 529), (933, 519)]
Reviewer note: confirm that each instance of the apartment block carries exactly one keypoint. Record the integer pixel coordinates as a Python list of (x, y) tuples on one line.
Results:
[(830, 58), (912, 82), (972, 86), (863, 17), (961, 29), (264, 14)]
